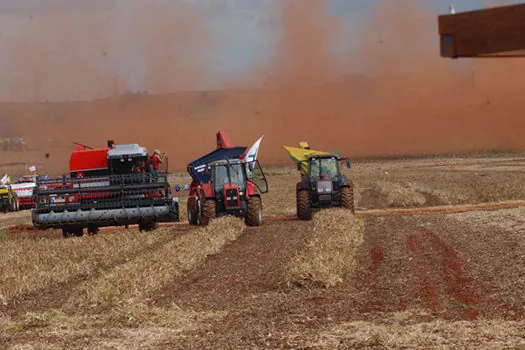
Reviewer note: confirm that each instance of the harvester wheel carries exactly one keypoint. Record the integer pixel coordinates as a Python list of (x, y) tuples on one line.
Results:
[(208, 211), (304, 205), (254, 215), (78, 232), (193, 217), (147, 225), (347, 198), (65, 233), (92, 230)]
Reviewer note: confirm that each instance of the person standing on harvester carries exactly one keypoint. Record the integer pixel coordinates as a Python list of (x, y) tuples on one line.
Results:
[(155, 162)]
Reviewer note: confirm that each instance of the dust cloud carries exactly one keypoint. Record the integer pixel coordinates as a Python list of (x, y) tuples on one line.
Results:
[(408, 100)]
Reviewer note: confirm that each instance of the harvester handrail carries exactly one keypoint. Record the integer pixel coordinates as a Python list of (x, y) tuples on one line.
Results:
[(114, 188)]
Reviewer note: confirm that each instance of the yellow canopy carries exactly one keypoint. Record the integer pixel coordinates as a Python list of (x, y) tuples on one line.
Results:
[(299, 155)]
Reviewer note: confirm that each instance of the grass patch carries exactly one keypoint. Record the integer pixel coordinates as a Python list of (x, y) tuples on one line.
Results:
[(329, 255), (31, 265), (400, 196), (3, 235), (438, 334)]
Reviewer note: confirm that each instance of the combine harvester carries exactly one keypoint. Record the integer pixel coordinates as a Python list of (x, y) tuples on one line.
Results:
[(24, 189), (322, 182), (227, 181), (107, 187)]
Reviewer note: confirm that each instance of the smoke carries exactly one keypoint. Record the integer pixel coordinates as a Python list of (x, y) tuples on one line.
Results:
[(410, 101)]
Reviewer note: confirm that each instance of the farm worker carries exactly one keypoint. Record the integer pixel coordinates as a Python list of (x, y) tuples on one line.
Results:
[(155, 161)]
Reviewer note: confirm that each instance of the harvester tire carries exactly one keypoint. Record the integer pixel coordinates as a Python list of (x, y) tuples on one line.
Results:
[(304, 205), (92, 230), (254, 214), (347, 198), (208, 211), (147, 226), (193, 213)]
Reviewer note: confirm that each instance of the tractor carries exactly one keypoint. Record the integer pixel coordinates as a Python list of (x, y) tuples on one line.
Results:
[(8, 199), (323, 183), (226, 183)]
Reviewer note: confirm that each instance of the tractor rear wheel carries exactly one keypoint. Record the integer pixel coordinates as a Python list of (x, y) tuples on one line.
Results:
[(304, 205), (254, 214), (347, 198), (208, 211), (192, 211)]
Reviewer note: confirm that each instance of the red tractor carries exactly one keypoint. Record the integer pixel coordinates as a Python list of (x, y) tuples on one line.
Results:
[(110, 186), (226, 183)]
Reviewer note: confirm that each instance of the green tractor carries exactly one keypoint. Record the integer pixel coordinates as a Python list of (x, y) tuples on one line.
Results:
[(8, 199), (323, 184)]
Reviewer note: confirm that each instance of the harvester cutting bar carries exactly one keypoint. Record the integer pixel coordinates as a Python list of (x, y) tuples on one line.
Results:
[(126, 200)]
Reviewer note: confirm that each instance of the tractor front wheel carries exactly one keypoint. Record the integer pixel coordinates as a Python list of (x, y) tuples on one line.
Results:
[(208, 211), (347, 198), (254, 215), (192, 211), (304, 205)]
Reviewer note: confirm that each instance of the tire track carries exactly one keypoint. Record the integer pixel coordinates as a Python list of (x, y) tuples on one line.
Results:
[(443, 209), (444, 283)]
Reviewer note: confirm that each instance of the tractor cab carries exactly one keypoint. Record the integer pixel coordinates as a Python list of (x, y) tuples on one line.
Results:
[(233, 181), (324, 167)]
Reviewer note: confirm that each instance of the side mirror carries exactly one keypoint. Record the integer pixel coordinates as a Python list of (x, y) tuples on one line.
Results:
[(348, 164), (299, 166)]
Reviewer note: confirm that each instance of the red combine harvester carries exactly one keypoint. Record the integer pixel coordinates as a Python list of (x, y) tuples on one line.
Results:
[(226, 182), (110, 186)]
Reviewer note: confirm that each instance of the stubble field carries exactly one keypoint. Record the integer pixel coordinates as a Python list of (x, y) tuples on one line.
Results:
[(434, 258)]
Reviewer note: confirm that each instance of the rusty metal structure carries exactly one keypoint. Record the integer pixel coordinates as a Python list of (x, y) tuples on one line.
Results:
[(490, 32)]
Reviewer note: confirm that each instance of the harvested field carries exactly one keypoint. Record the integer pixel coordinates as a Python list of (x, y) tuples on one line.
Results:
[(434, 258)]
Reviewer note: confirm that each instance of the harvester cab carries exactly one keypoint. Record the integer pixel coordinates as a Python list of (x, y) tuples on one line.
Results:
[(323, 183), (226, 183)]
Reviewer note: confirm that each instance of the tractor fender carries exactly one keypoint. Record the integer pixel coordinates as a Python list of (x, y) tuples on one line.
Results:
[(347, 183), (302, 185), (251, 190), (206, 191)]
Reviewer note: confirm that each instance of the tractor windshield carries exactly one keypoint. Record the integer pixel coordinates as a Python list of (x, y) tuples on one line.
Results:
[(323, 168), (232, 173)]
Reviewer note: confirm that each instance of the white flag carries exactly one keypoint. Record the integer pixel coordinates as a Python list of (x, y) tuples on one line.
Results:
[(32, 169), (252, 153), (4, 180)]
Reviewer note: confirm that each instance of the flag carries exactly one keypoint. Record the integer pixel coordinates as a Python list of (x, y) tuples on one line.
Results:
[(4, 180), (32, 169), (252, 153)]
